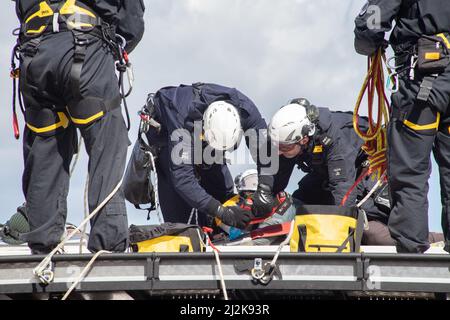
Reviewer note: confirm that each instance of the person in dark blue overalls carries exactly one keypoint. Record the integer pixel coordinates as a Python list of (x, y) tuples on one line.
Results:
[(68, 50), (321, 143), (198, 120), (324, 144), (420, 119)]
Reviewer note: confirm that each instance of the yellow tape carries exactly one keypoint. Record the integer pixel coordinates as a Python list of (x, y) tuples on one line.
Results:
[(87, 120), (447, 43), (63, 122), (418, 127)]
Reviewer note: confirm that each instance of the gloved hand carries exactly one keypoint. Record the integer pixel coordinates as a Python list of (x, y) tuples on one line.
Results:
[(263, 200), (233, 216)]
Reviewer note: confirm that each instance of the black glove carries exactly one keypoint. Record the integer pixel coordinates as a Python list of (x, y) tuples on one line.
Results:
[(233, 216), (263, 201)]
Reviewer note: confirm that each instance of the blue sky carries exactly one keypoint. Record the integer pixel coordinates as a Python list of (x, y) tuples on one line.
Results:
[(270, 50)]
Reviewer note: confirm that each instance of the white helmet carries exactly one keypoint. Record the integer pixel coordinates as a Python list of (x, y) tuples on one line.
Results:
[(222, 126), (290, 124), (247, 181)]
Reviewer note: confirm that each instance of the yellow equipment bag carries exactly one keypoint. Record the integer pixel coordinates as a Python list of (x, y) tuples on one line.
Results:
[(167, 237), (321, 228)]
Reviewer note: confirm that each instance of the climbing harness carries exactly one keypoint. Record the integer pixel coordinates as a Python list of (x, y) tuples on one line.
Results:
[(55, 16)]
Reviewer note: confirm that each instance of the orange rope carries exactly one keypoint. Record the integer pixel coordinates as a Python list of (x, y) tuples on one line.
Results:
[(375, 143)]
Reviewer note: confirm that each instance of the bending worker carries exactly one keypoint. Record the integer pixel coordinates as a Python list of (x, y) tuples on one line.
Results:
[(324, 144), (420, 119), (68, 80), (198, 120)]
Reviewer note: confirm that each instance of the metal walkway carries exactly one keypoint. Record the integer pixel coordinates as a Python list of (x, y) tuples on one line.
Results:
[(197, 272)]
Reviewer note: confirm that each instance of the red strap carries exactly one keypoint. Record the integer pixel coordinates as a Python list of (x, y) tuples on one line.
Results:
[(272, 231)]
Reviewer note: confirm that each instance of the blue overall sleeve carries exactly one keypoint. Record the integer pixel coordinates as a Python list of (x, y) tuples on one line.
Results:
[(374, 20), (131, 22), (341, 168)]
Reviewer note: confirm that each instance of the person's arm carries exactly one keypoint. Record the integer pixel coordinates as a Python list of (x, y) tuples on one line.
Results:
[(374, 20), (283, 175), (131, 24), (341, 173)]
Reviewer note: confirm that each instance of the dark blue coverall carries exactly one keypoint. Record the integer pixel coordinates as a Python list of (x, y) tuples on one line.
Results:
[(182, 187), (331, 161), (61, 95), (420, 121)]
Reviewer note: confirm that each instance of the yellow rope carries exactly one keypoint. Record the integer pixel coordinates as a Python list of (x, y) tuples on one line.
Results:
[(375, 143)]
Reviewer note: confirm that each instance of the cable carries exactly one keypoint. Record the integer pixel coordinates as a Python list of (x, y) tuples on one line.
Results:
[(375, 137), (285, 242), (86, 213), (157, 205), (219, 266), (77, 156), (375, 187), (83, 273)]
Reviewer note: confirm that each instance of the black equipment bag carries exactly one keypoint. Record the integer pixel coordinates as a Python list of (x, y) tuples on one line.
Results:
[(138, 187)]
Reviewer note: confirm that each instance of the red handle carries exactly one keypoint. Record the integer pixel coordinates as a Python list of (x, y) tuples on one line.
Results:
[(16, 127)]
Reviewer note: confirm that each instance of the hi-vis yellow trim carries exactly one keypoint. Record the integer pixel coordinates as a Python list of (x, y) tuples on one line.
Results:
[(70, 8), (44, 11), (90, 119), (36, 31), (318, 149), (432, 56), (447, 43), (63, 122), (418, 127), (165, 244)]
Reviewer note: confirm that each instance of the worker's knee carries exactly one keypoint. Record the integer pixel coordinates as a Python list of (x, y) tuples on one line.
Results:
[(91, 109)]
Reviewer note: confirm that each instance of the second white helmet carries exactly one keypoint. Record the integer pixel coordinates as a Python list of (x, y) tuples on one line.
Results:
[(222, 126), (290, 124), (247, 181)]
